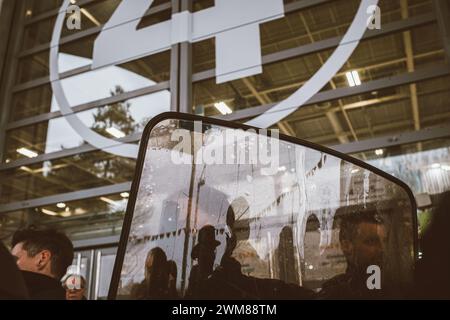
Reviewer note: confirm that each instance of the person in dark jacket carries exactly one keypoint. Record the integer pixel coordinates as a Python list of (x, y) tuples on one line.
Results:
[(43, 256), (361, 237), (12, 284), (432, 274)]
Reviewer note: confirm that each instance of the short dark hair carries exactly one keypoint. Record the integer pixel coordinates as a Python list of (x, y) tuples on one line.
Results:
[(59, 245), (350, 221)]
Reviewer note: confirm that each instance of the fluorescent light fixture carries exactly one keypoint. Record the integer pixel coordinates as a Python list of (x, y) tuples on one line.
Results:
[(350, 80), (116, 133), (282, 168), (223, 108), (435, 165), (107, 200), (90, 17), (356, 78), (61, 205), (353, 78), (49, 212), (27, 152), (379, 152), (445, 167), (124, 194), (355, 170)]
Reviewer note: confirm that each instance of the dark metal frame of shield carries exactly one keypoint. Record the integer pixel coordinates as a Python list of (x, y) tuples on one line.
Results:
[(233, 125)]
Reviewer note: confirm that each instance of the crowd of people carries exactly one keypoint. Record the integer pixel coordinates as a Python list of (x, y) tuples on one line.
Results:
[(35, 267)]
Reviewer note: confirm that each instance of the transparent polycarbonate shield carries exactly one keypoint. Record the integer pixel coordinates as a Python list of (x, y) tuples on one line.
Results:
[(225, 212)]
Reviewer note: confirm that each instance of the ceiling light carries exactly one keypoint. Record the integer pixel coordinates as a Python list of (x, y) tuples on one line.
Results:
[(379, 152), (282, 168), (353, 78), (124, 194), (355, 170), (49, 212), (435, 165), (90, 17), (61, 205), (445, 167), (28, 13), (27, 152), (356, 77), (107, 200), (223, 108), (116, 133)]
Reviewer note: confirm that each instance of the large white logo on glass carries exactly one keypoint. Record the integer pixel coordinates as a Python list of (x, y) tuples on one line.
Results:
[(235, 26)]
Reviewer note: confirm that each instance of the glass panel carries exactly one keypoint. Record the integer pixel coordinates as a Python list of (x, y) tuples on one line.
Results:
[(106, 270), (125, 117), (424, 167), (236, 214), (281, 79), (33, 8), (83, 171), (11, 222), (318, 23), (93, 85), (93, 14), (31, 102)]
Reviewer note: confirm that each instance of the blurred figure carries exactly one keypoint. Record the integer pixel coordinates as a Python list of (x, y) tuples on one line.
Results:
[(361, 237), (227, 281), (205, 253), (43, 256), (285, 253), (173, 272), (75, 286), (12, 285), (156, 282), (433, 270)]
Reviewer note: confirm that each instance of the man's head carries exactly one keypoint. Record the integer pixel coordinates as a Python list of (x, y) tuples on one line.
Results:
[(46, 252), (361, 236)]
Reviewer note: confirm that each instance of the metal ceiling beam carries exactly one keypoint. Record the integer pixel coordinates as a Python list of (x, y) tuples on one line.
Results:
[(366, 68), (395, 140), (284, 126), (374, 85), (63, 153), (407, 43), (66, 197), (442, 12), (332, 117), (401, 124)]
